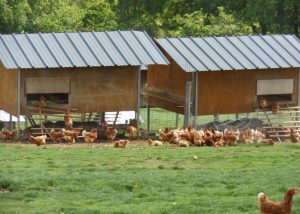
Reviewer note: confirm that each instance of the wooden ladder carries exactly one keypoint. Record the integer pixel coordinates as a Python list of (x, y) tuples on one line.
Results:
[(42, 117), (280, 123)]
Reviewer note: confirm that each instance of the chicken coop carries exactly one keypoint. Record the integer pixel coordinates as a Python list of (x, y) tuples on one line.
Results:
[(226, 74), (83, 71)]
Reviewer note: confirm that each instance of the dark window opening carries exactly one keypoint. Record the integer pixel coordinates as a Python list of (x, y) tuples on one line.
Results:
[(53, 98), (278, 97)]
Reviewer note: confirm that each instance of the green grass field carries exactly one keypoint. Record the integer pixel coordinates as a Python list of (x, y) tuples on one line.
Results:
[(142, 179)]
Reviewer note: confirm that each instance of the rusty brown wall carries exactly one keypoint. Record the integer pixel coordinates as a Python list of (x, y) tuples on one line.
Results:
[(94, 89), (8, 90), (226, 92)]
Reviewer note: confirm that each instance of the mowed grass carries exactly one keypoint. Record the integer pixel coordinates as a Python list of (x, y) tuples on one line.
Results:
[(143, 179)]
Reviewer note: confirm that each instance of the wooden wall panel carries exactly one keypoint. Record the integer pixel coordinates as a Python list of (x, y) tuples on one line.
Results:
[(94, 89), (178, 79), (158, 76), (220, 92), (8, 90), (226, 92), (48, 85)]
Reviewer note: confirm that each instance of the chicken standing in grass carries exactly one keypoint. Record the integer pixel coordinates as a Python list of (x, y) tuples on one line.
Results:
[(270, 207), (163, 135), (110, 134), (154, 142), (120, 143), (294, 136), (90, 137), (131, 131), (269, 142), (231, 136), (70, 135), (38, 140), (56, 136)]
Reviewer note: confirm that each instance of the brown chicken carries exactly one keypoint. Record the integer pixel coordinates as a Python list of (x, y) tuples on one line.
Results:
[(38, 140), (42, 102), (184, 143), (68, 121), (208, 138), (120, 143), (90, 137), (7, 135), (217, 135), (269, 142), (198, 138), (231, 136), (220, 143), (154, 142), (56, 136), (163, 135), (246, 136), (270, 207), (262, 102), (70, 135), (131, 131), (172, 137), (294, 136), (274, 107), (110, 134)]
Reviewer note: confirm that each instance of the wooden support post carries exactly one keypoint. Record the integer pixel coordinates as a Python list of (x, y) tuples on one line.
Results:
[(177, 121), (148, 118), (236, 116), (216, 117), (18, 101), (116, 118), (41, 122), (90, 116), (10, 122), (298, 114), (82, 117), (26, 122), (137, 115), (195, 77), (187, 105), (102, 117)]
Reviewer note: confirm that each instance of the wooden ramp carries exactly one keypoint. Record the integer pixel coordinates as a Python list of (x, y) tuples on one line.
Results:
[(277, 125)]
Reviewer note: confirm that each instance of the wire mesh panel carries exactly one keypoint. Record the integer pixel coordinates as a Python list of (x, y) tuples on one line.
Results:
[(159, 119)]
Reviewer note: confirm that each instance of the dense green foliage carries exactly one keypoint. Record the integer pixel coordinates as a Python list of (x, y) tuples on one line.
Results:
[(158, 17), (143, 179)]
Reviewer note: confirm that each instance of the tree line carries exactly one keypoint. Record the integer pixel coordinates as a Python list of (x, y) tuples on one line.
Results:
[(160, 18)]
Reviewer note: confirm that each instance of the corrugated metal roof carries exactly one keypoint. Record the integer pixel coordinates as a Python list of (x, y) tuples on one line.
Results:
[(233, 53), (80, 49)]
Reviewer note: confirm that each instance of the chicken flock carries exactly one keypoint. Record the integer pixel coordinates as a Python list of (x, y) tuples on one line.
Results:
[(71, 135), (211, 137), (181, 137)]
